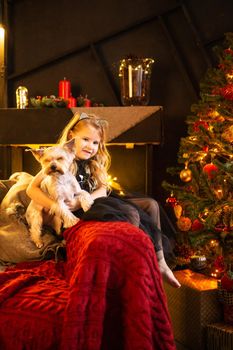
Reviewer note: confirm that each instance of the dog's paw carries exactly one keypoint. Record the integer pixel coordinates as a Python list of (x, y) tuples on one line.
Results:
[(39, 244), (70, 220), (16, 210), (86, 200)]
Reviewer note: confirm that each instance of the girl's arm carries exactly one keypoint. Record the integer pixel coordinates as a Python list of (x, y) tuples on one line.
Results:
[(100, 192), (36, 194)]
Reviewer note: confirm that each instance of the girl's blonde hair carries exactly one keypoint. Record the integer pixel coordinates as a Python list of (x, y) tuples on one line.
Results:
[(97, 166)]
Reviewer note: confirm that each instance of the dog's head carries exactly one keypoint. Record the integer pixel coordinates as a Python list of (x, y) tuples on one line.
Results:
[(56, 159)]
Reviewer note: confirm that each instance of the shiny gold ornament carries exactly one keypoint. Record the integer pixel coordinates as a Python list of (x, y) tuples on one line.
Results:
[(178, 210), (229, 77), (22, 97), (203, 216), (218, 192), (213, 113), (186, 175), (185, 155), (184, 223), (228, 134)]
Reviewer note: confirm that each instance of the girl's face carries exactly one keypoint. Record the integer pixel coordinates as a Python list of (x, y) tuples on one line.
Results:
[(87, 142)]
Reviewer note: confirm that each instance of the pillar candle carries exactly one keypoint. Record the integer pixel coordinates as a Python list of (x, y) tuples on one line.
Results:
[(72, 102), (64, 88), (87, 102)]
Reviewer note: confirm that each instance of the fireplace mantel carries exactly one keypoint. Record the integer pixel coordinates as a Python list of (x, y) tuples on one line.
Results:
[(21, 127)]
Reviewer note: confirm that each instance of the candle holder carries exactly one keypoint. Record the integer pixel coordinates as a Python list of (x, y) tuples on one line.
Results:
[(198, 262), (22, 97), (135, 74)]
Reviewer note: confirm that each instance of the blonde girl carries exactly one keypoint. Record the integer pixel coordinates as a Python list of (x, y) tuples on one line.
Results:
[(91, 168), (91, 156)]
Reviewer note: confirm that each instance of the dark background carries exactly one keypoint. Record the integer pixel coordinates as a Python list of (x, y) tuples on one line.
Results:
[(85, 40)]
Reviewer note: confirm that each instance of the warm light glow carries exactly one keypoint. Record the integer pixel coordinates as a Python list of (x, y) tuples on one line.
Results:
[(2, 50), (112, 181), (214, 243), (230, 76), (216, 273), (2, 33)]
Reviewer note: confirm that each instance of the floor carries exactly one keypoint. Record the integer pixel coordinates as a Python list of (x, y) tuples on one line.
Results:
[(181, 347)]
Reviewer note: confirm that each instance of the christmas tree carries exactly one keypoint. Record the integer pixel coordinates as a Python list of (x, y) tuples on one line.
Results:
[(202, 199)]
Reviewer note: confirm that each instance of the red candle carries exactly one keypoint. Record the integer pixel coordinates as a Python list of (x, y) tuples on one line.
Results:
[(87, 102), (72, 102), (64, 88)]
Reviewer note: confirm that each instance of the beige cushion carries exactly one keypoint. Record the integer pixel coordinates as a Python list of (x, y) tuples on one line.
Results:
[(5, 185)]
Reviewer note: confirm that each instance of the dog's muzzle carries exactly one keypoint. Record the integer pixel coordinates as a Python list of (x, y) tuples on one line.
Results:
[(54, 169)]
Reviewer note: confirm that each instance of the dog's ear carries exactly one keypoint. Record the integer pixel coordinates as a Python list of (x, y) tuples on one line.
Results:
[(70, 145), (38, 153)]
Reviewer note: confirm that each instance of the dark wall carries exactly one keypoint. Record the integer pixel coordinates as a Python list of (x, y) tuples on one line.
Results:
[(84, 41)]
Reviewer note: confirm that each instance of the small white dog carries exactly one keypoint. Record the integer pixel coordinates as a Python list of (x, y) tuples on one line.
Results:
[(60, 185)]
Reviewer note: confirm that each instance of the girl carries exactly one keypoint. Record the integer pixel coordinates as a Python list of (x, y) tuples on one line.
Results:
[(91, 166)]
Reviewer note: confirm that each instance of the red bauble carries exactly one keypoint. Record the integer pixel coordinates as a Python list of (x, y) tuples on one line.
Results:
[(197, 124), (221, 228), (211, 170), (219, 263), (172, 201), (227, 281), (205, 148), (197, 225), (227, 92), (229, 51)]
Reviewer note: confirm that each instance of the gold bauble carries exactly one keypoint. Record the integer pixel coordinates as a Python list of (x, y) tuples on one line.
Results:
[(186, 175), (184, 223), (178, 210)]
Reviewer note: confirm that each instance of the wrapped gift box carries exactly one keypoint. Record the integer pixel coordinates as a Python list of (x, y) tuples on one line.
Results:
[(219, 336), (192, 307)]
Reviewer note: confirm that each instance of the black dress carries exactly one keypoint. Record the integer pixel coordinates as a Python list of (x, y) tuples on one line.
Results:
[(115, 208)]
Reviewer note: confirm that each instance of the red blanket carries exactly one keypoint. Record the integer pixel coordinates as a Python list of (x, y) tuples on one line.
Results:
[(108, 295)]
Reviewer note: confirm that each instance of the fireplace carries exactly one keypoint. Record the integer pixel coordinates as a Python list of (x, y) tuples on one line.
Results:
[(134, 133)]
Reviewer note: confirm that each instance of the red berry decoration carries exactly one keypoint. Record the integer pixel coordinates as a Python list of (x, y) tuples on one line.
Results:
[(227, 92), (210, 169), (227, 281), (197, 124)]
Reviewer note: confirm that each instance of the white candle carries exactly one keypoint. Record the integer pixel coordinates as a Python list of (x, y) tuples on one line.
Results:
[(139, 82), (130, 80), (2, 50)]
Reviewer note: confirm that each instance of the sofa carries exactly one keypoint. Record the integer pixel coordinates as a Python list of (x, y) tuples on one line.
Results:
[(104, 293)]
